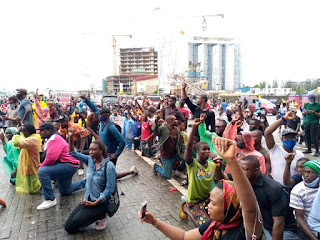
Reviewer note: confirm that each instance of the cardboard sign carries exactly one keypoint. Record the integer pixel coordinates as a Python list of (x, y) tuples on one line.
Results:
[(64, 97), (118, 120)]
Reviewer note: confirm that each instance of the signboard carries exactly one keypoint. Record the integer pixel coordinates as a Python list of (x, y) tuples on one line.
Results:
[(64, 97)]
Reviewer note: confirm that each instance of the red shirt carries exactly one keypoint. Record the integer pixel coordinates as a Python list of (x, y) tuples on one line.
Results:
[(146, 130)]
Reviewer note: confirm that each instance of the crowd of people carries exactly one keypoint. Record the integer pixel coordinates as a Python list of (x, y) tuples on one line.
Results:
[(241, 183)]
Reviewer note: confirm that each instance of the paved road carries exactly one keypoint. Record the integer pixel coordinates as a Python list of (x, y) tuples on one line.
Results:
[(21, 220)]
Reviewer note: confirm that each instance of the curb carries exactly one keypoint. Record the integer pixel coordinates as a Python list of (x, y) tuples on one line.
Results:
[(172, 181)]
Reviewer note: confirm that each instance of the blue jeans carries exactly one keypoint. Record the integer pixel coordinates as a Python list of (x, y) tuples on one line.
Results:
[(166, 171), (62, 173), (287, 235)]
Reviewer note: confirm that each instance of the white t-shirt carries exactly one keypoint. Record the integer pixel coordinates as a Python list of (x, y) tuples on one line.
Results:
[(301, 197), (278, 163)]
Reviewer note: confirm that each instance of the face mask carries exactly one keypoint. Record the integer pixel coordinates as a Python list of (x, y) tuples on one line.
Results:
[(241, 145), (289, 144), (103, 119), (313, 183), (12, 106), (311, 102), (219, 112), (262, 120)]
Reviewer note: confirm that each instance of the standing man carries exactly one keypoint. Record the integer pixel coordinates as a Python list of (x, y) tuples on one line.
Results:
[(201, 107), (24, 114), (245, 103), (171, 109), (224, 105), (311, 111), (258, 103), (12, 112)]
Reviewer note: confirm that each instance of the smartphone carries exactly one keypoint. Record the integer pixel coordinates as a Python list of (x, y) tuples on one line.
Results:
[(143, 209)]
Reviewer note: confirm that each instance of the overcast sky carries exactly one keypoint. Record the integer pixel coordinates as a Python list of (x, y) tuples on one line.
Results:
[(68, 44)]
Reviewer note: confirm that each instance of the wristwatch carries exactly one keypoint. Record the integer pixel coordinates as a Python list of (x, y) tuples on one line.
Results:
[(283, 119)]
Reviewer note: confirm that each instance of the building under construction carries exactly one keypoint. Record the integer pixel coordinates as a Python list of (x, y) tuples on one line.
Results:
[(134, 62)]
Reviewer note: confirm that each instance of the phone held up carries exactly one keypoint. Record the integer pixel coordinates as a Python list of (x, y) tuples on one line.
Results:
[(143, 209)]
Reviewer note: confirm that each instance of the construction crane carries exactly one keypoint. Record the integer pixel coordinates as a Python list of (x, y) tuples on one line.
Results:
[(114, 46), (204, 21), (182, 78)]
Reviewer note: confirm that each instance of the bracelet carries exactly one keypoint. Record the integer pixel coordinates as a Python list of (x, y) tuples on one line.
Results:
[(157, 223), (283, 119)]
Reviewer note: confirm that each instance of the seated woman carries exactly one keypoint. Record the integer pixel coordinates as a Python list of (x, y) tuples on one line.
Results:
[(100, 186), (29, 143), (201, 179), (228, 220), (10, 162)]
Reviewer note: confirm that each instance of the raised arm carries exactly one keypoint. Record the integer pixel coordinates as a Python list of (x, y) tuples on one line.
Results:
[(72, 152), (188, 156), (287, 180), (268, 133), (251, 215)]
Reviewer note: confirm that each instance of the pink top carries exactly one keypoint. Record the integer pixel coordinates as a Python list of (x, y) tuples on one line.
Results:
[(146, 130), (57, 150)]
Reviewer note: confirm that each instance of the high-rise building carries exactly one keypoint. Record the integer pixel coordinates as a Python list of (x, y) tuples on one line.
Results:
[(138, 61), (134, 63)]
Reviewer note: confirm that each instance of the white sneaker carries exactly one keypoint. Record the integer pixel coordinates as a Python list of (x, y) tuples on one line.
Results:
[(180, 174), (47, 204), (153, 169), (101, 224), (80, 171), (134, 170)]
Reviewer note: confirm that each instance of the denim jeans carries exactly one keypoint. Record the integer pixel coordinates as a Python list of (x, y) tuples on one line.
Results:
[(166, 171), (287, 235), (62, 173)]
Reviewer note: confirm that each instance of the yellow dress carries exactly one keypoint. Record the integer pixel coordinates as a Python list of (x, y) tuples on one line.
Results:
[(27, 180)]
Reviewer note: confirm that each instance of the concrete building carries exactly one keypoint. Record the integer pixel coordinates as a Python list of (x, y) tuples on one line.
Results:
[(145, 84), (138, 60), (135, 63), (218, 60)]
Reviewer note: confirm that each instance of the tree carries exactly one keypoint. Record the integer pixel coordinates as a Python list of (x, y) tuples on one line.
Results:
[(300, 90), (263, 84)]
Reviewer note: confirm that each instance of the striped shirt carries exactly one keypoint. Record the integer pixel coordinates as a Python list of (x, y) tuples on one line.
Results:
[(301, 197)]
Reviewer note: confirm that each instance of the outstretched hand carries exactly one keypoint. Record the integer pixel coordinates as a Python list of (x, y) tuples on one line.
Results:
[(203, 117), (196, 122), (290, 115), (149, 218), (226, 148)]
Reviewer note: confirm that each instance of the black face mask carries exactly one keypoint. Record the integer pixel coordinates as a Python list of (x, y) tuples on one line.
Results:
[(241, 145), (19, 95)]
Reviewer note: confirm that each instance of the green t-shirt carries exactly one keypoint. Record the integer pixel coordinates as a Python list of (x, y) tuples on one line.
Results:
[(201, 181), (311, 117)]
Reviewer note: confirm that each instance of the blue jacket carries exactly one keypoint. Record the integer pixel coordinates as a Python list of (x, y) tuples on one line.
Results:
[(114, 141), (96, 184)]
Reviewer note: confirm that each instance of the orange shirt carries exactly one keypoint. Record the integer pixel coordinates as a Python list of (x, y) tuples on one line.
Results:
[(78, 130)]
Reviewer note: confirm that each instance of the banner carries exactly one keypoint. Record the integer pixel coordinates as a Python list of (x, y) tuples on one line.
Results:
[(304, 100), (296, 98)]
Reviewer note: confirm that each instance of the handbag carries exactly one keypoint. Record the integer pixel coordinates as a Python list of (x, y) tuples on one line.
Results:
[(113, 201)]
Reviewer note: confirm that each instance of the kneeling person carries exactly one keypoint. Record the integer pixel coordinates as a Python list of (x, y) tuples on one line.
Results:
[(58, 165)]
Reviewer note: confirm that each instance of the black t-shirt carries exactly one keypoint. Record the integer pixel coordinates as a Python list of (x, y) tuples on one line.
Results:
[(273, 202), (237, 233), (196, 111), (294, 123)]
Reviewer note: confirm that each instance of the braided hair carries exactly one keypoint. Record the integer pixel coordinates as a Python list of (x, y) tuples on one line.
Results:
[(102, 147)]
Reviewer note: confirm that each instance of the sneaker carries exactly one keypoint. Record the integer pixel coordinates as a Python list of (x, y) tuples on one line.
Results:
[(80, 171), (307, 151), (183, 198), (2, 202), (134, 170), (316, 154), (153, 169), (101, 224), (180, 174), (47, 204)]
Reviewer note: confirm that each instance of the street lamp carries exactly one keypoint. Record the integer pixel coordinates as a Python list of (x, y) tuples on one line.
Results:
[(204, 24)]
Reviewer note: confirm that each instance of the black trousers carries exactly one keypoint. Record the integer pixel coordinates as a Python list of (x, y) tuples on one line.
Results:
[(311, 135), (83, 216)]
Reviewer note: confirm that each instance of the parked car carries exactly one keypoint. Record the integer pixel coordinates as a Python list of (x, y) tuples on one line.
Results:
[(113, 99), (266, 106)]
